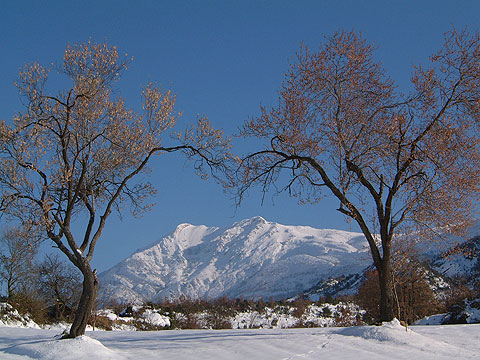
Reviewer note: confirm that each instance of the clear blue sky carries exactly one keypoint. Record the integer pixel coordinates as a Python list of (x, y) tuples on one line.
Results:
[(223, 59)]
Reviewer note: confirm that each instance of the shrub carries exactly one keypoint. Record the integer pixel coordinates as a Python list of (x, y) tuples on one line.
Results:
[(186, 321), (31, 304), (326, 312), (344, 316), (214, 320), (101, 322), (300, 305)]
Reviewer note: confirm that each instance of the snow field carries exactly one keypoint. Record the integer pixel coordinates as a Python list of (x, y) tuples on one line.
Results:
[(390, 341)]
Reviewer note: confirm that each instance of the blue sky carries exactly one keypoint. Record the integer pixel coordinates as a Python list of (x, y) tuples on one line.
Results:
[(223, 59)]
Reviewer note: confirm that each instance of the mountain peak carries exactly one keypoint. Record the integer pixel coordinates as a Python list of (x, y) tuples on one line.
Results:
[(182, 226), (256, 220)]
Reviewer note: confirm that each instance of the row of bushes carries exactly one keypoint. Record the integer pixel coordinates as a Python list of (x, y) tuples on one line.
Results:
[(224, 313)]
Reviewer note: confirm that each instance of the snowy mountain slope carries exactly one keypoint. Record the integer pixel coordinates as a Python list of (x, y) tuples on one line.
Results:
[(460, 261), (442, 261), (251, 259)]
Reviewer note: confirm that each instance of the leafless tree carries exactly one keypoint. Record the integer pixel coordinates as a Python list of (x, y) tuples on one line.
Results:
[(396, 163), (18, 247), (58, 283), (74, 155)]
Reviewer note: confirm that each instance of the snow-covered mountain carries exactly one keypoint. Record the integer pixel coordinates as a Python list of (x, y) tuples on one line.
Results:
[(253, 258)]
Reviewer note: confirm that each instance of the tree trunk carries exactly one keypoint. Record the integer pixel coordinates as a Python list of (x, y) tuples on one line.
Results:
[(86, 303), (387, 300)]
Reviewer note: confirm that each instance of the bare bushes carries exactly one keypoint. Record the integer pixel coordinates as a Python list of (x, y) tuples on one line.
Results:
[(224, 313)]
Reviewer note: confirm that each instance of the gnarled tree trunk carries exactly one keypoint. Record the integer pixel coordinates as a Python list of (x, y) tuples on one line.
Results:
[(86, 303)]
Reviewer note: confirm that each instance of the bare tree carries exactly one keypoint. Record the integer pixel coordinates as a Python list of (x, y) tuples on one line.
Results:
[(74, 155), (58, 283), (394, 162), (18, 247)]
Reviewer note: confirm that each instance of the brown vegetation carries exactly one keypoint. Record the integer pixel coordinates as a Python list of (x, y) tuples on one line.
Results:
[(414, 299)]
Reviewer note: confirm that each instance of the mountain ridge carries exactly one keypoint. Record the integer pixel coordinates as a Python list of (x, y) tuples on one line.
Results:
[(252, 258)]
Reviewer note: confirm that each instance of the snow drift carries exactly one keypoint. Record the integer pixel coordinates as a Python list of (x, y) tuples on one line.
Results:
[(389, 341)]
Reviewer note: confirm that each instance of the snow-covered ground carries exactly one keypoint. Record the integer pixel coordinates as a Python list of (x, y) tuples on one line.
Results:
[(389, 341)]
